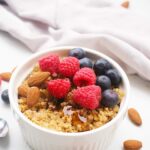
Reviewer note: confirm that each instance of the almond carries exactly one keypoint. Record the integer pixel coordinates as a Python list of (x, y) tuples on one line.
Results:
[(22, 90), (132, 145), (125, 4), (33, 95), (38, 78), (5, 76), (134, 116)]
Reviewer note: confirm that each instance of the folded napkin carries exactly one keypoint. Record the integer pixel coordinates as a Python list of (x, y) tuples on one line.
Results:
[(97, 24)]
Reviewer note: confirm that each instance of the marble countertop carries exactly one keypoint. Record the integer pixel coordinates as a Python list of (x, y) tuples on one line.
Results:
[(12, 53)]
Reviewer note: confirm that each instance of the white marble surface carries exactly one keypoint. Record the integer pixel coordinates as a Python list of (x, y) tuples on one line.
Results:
[(12, 53)]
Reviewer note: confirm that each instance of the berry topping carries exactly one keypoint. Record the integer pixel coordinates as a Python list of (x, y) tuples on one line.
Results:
[(101, 66), (87, 97), (86, 62), (69, 66), (5, 96), (114, 77), (84, 77), (77, 52), (104, 82), (50, 63), (109, 98), (59, 87)]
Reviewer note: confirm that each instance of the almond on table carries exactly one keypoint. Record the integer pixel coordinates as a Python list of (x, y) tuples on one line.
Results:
[(5, 76), (135, 116), (132, 145), (125, 4)]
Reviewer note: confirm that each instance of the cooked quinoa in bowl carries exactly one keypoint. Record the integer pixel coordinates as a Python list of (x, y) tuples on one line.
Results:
[(73, 93), (64, 104)]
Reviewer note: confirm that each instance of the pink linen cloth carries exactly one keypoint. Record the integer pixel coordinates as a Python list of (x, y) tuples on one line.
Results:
[(97, 24)]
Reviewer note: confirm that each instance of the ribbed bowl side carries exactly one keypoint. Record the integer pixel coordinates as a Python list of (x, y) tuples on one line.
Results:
[(45, 141)]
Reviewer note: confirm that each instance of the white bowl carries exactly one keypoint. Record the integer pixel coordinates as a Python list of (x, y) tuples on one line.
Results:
[(40, 138)]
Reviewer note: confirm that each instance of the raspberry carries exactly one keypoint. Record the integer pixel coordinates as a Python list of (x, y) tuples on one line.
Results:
[(59, 87), (69, 66), (88, 96), (84, 77), (50, 63)]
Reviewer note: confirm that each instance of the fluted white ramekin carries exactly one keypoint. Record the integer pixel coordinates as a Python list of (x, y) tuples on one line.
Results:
[(40, 138)]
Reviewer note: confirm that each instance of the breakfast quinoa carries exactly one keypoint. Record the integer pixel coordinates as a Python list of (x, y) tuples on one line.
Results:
[(62, 110)]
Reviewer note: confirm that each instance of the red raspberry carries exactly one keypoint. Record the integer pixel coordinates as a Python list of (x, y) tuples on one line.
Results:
[(59, 87), (69, 66), (88, 96), (84, 77), (50, 63)]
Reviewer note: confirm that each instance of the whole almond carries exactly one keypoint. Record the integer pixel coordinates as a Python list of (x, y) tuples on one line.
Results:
[(37, 78), (5, 76), (134, 116), (125, 4), (132, 145), (22, 90), (33, 95)]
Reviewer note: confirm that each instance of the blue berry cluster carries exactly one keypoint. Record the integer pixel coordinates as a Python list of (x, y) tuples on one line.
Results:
[(107, 76)]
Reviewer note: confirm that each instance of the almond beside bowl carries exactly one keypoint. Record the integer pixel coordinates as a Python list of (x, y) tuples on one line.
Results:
[(41, 138)]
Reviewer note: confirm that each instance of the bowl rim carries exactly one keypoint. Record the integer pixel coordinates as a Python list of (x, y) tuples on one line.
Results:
[(60, 48)]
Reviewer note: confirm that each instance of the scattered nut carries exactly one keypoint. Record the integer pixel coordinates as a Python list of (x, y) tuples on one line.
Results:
[(132, 145), (125, 4), (134, 116), (5, 76)]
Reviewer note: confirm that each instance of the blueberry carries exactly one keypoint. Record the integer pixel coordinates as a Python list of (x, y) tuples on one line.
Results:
[(86, 62), (5, 96), (114, 77), (77, 52), (104, 82), (109, 98), (101, 66)]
